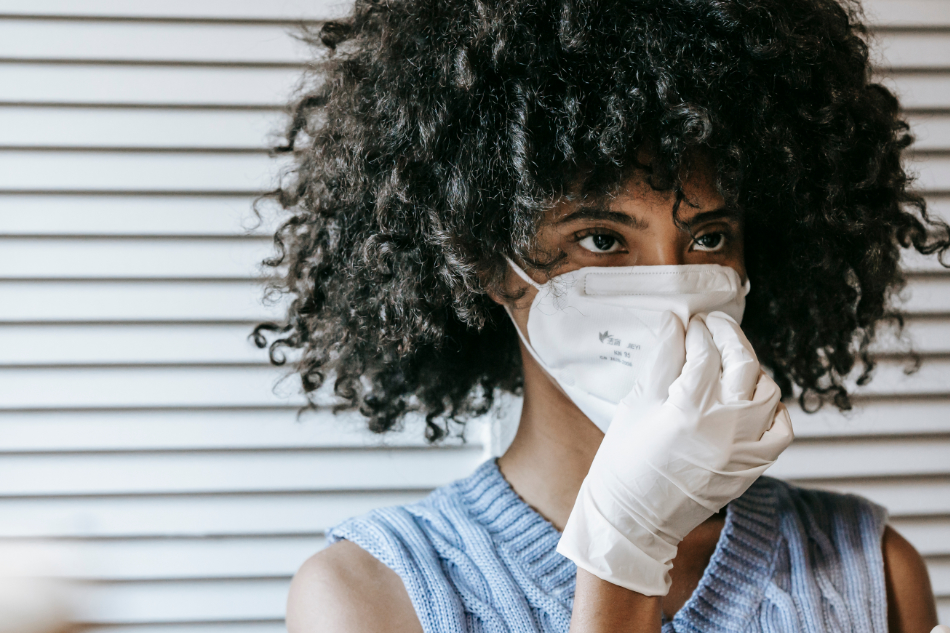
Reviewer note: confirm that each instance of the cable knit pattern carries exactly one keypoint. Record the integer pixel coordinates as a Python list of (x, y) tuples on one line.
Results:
[(475, 557)]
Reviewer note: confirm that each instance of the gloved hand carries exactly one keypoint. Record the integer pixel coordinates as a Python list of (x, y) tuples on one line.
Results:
[(688, 439)]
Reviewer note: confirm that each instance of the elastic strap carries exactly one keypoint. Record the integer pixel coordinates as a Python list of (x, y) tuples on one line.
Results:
[(522, 273), (534, 354), (521, 335)]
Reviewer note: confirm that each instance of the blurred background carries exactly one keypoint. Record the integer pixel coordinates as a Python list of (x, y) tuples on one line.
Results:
[(145, 452)]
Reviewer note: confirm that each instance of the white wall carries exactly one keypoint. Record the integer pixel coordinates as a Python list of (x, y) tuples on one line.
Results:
[(139, 433)]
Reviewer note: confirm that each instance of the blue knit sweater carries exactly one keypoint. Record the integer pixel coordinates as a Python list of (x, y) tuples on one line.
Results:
[(475, 557)]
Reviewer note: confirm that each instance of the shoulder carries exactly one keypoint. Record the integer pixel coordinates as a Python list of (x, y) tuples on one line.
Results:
[(847, 526), (848, 520), (382, 571), (838, 529), (910, 601), (426, 561), (344, 588)]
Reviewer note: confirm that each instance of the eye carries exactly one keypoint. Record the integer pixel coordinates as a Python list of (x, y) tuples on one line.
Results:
[(600, 243), (709, 242)]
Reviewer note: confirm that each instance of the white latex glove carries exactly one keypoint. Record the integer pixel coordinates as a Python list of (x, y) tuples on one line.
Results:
[(689, 439)]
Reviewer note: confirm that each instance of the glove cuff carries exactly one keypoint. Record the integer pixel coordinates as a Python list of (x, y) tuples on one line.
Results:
[(619, 557)]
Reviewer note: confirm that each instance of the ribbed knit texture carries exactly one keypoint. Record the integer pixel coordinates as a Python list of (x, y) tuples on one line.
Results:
[(475, 557)]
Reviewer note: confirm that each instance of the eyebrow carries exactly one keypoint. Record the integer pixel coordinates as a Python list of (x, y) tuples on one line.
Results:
[(722, 213), (600, 213)]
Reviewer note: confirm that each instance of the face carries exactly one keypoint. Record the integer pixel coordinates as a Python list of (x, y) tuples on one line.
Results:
[(636, 228)]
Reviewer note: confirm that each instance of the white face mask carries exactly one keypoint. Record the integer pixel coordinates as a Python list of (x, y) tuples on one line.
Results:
[(592, 329)]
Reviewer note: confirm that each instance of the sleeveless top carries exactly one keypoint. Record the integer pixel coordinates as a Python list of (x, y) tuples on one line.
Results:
[(475, 557)]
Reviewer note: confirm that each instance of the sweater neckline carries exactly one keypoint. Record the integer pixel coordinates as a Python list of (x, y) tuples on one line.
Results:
[(726, 597), (733, 585), (519, 532)]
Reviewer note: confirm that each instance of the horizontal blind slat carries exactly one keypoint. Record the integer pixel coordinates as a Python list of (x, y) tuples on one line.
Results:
[(932, 172), (148, 128), (183, 601), (907, 416), (211, 627), (174, 559), (135, 258), (189, 515), (929, 536), (134, 301), (864, 458), (153, 42), (925, 335), (926, 295), (912, 50), (931, 131), (907, 13), (220, 430), (128, 344), (939, 207), (891, 378), (138, 216), (124, 387), (180, 9), (58, 84), (177, 473), (902, 496), (122, 172), (940, 576), (919, 90)]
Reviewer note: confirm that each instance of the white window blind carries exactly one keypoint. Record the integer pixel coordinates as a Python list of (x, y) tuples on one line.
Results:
[(140, 438)]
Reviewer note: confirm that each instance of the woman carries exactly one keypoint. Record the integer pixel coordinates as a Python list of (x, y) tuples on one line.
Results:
[(577, 202)]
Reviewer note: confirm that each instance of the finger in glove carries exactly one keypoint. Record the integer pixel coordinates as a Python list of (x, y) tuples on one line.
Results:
[(740, 367), (695, 386), (665, 364)]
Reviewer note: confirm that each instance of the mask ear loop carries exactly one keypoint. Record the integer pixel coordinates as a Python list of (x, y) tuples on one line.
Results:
[(521, 273), (524, 339)]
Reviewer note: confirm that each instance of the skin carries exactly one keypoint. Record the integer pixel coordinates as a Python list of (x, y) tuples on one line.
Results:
[(343, 589)]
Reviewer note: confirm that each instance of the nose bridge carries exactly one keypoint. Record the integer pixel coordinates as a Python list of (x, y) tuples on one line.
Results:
[(667, 249), (663, 242)]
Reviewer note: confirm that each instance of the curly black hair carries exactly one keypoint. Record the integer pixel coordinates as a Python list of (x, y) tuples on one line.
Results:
[(435, 133)]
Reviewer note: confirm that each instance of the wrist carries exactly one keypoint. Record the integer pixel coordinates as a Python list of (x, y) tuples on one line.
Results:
[(617, 543), (603, 606)]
